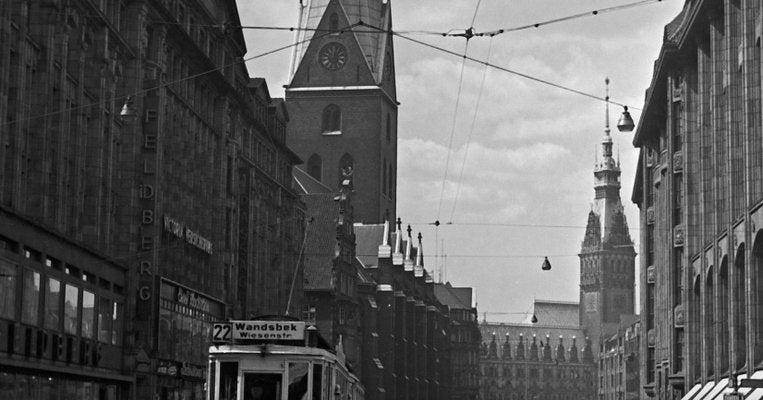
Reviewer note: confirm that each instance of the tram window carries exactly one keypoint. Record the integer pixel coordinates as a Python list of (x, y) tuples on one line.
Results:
[(298, 380), (317, 380), (262, 386), (228, 380)]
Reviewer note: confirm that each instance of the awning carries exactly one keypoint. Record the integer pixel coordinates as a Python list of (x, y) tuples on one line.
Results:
[(755, 394), (692, 392), (711, 395), (707, 387)]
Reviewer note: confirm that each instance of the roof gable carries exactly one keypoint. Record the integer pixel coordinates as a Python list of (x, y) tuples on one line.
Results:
[(359, 65)]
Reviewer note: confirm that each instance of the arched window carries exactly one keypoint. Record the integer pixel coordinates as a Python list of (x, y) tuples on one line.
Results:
[(332, 120), (315, 167), (757, 264), (334, 23), (741, 305), (696, 349), (709, 333), (723, 313), (346, 165)]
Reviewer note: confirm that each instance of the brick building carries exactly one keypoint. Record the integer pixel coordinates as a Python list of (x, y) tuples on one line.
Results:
[(406, 342), (465, 340), (342, 101), (192, 195), (699, 186)]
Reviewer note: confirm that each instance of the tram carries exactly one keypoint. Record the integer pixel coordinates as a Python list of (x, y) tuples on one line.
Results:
[(277, 360)]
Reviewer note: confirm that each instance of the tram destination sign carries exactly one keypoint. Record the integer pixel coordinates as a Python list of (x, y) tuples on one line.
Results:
[(258, 330)]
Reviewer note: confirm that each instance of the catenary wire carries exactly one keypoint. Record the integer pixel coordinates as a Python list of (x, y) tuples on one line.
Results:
[(471, 132)]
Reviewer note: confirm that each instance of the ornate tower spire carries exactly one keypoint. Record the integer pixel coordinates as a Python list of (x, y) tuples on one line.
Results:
[(607, 257)]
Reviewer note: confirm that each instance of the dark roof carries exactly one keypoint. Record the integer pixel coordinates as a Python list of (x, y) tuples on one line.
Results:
[(557, 313), (306, 184), (455, 298), (321, 239), (367, 241)]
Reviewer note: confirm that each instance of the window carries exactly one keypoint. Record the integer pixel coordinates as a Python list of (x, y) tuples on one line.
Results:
[(71, 301), (88, 314), (104, 320), (384, 178), (332, 120), (8, 276), (53, 305), (116, 324), (30, 301), (315, 167)]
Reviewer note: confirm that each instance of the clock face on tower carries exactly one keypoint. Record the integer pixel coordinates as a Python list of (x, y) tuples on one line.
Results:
[(332, 56)]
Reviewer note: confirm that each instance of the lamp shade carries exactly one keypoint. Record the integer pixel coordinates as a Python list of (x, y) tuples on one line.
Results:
[(625, 123), (128, 111)]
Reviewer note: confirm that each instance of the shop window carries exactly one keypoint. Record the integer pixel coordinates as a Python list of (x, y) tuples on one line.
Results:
[(71, 301), (104, 320), (30, 301), (88, 314), (8, 278), (53, 305), (116, 324)]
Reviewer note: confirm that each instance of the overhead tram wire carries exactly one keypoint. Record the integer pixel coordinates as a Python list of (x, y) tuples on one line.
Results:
[(568, 18), (471, 132), (453, 128), (517, 73)]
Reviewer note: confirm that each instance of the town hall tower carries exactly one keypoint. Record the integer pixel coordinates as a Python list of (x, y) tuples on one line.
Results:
[(607, 257)]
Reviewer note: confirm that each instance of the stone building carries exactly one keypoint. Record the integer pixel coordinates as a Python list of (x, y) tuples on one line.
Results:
[(699, 186), (538, 360), (134, 129), (619, 362), (342, 101)]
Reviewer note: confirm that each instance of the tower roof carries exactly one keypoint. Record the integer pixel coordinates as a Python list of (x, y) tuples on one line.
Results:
[(373, 14)]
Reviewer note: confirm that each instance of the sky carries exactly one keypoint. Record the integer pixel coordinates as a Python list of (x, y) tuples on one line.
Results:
[(520, 156)]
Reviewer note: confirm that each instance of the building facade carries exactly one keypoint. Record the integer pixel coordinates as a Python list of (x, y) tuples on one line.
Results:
[(406, 333), (342, 101), (465, 340), (619, 362), (699, 187), (538, 360), (134, 128), (62, 316)]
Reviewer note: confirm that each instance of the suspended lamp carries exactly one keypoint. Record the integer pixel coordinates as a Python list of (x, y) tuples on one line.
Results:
[(625, 123), (128, 110), (546, 265)]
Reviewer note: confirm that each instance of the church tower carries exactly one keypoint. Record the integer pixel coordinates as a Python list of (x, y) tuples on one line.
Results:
[(342, 101), (607, 257)]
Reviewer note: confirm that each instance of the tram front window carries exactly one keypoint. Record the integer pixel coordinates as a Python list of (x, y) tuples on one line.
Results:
[(298, 380), (262, 386)]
